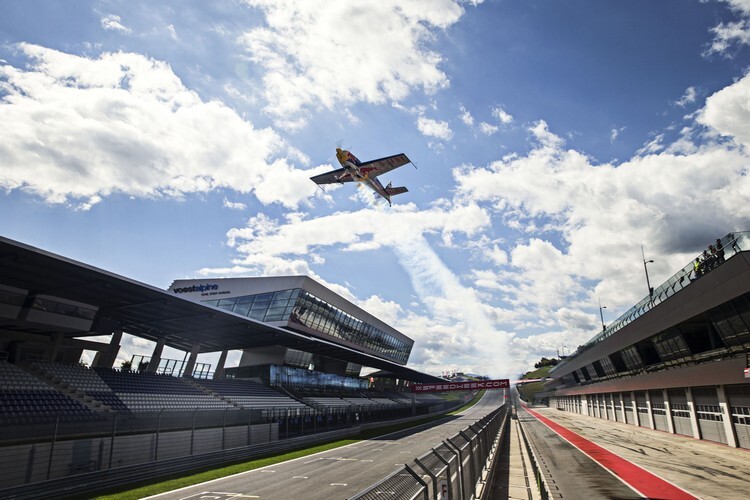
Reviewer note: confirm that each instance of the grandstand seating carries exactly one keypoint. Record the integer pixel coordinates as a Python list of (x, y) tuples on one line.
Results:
[(143, 392), (83, 379), (24, 399), (383, 401), (249, 394), (398, 396), (428, 398), (351, 398)]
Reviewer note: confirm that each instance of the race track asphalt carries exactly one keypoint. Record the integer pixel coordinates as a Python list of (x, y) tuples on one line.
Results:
[(342, 472)]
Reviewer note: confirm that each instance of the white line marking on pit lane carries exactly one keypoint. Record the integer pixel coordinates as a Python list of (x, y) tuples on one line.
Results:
[(365, 460), (266, 470), (338, 484), (299, 477)]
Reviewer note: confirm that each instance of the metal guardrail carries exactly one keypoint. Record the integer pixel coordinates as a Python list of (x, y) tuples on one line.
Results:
[(403, 483), (455, 467)]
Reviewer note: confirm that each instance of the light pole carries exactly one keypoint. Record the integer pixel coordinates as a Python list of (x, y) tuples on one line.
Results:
[(645, 268), (601, 314)]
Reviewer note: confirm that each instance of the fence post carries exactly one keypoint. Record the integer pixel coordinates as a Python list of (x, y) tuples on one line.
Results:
[(112, 441), (224, 430), (472, 470), (192, 433), (457, 450), (52, 447), (249, 423), (429, 473), (158, 429), (419, 480), (479, 431), (447, 474)]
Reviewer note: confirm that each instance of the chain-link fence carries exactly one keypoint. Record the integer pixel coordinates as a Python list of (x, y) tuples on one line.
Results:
[(44, 451), (454, 468)]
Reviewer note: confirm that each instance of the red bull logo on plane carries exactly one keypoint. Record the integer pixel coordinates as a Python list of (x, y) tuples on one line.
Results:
[(502, 383)]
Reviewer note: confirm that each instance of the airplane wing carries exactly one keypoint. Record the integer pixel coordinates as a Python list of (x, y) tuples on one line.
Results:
[(373, 168), (333, 177)]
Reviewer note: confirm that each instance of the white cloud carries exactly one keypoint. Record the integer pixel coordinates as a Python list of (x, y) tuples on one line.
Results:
[(434, 128), (172, 32), (488, 129), (615, 133), (733, 32), (112, 22), (75, 130), (319, 54), (590, 219), (502, 115), (234, 205), (728, 111), (466, 117), (653, 146), (688, 97)]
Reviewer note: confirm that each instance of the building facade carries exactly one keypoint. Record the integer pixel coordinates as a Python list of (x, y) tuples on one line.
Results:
[(678, 360), (300, 304)]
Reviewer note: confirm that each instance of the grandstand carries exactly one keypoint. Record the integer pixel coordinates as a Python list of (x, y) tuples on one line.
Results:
[(678, 360), (303, 348)]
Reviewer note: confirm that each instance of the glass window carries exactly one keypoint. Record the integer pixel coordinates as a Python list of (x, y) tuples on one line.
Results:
[(227, 304), (264, 298), (242, 308), (275, 314), (257, 314), (282, 295), (631, 358), (279, 302)]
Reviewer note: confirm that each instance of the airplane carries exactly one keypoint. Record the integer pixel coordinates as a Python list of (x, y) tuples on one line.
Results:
[(366, 172)]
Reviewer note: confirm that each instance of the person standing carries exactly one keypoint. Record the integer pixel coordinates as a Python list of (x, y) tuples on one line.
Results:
[(719, 252)]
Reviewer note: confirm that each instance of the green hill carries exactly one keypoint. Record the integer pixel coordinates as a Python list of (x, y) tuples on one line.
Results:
[(527, 391)]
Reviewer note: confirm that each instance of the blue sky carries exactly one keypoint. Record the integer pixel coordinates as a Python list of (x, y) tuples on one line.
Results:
[(176, 139)]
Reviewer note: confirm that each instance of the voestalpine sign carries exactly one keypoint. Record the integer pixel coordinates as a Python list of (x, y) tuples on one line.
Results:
[(502, 383)]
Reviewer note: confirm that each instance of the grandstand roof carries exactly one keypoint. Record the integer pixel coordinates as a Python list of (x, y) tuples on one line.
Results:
[(151, 313)]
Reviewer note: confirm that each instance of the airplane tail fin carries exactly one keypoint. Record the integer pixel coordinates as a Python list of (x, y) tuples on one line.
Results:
[(392, 191)]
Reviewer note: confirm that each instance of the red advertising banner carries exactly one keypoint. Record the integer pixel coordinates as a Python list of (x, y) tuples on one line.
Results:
[(502, 383)]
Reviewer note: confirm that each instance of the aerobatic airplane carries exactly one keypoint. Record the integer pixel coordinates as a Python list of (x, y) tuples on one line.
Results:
[(367, 172)]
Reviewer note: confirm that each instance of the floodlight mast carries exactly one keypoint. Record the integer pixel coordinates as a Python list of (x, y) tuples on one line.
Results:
[(645, 268)]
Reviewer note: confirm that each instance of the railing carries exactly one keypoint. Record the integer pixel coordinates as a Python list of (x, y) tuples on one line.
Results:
[(455, 468), (732, 244)]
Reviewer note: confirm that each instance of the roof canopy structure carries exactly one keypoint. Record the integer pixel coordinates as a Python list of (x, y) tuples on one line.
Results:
[(151, 313)]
